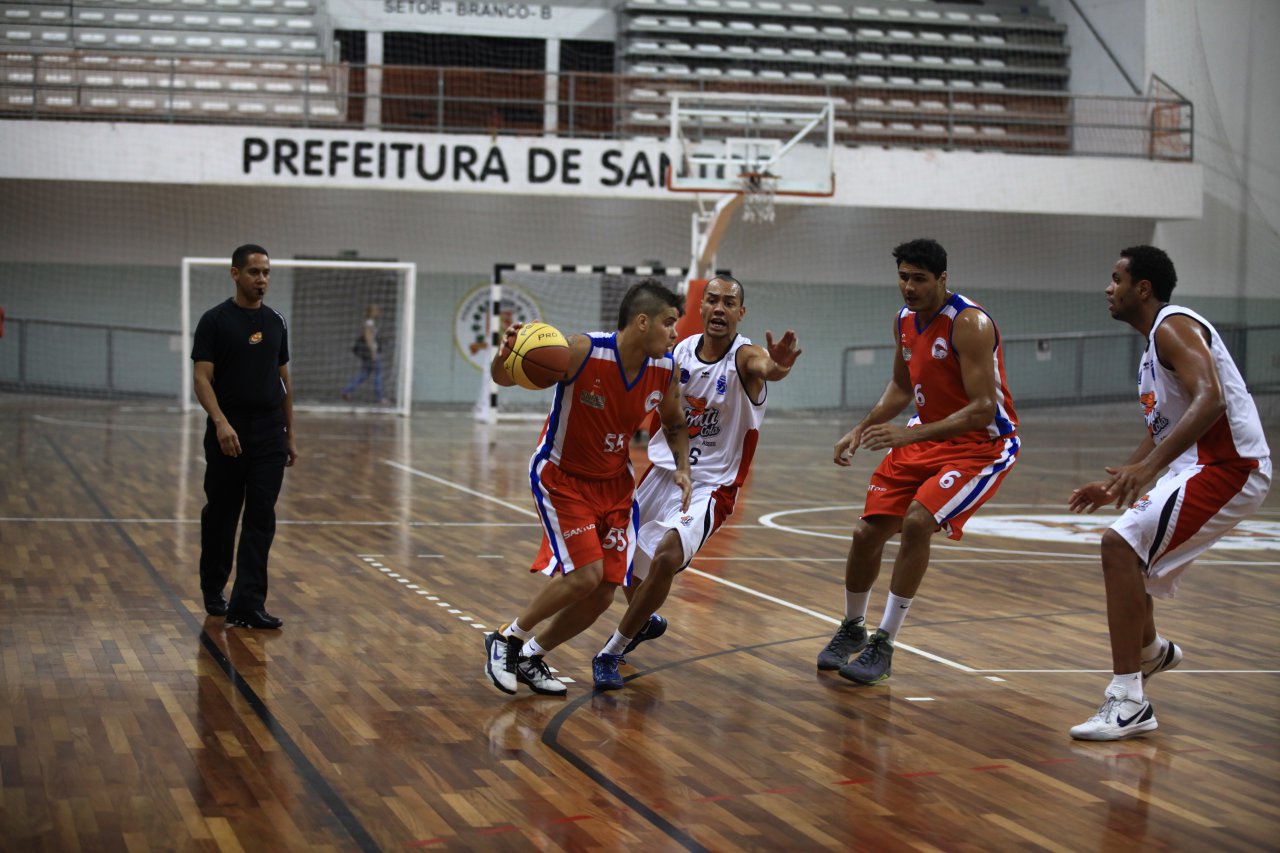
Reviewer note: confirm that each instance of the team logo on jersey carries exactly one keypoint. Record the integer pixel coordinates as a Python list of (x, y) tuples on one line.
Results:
[(652, 401), (703, 421), (255, 338), (940, 348), (906, 353), (1148, 400), (686, 520), (1141, 503), (722, 384), (684, 376), (595, 401)]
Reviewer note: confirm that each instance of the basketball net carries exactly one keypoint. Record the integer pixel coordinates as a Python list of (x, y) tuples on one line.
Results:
[(758, 192)]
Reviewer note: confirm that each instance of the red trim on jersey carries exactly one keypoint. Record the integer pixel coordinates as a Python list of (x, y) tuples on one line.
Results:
[(749, 442), (1217, 444)]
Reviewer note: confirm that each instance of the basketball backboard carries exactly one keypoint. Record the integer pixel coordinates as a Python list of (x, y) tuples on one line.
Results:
[(730, 142)]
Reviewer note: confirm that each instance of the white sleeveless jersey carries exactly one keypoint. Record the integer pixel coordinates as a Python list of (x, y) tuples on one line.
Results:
[(724, 422), (1236, 435)]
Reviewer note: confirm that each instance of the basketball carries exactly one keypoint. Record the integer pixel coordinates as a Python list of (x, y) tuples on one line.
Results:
[(539, 357)]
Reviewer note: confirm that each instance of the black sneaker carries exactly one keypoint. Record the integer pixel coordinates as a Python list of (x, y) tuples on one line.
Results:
[(253, 619), (848, 641), (874, 664)]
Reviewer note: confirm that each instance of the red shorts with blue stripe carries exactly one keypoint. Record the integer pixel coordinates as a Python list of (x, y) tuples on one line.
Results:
[(949, 478), (585, 521)]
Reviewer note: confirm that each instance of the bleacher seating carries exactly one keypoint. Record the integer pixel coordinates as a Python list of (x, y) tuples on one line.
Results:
[(193, 59), (922, 72)]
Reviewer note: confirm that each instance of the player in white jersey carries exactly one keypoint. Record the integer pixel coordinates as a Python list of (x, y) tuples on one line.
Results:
[(722, 384), (1203, 425)]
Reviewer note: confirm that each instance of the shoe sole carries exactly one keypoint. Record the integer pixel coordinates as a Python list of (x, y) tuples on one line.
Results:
[(863, 681), (1125, 734), (240, 623), (541, 691), (609, 685), (488, 666)]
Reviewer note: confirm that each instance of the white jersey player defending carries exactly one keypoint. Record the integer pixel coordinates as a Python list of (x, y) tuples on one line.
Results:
[(1202, 424), (722, 383)]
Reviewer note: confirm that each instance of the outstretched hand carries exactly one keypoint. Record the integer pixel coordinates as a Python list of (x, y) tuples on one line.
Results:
[(784, 351)]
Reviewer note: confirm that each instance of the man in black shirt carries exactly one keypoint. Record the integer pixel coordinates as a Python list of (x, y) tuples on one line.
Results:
[(241, 356)]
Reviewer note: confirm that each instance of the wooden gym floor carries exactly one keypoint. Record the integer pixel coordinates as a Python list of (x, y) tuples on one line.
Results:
[(130, 721)]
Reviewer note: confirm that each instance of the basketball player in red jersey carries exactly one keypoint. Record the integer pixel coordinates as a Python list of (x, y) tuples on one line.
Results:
[(583, 481), (945, 463)]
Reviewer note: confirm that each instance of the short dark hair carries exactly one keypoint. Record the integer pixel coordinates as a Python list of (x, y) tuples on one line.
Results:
[(1152, 264), (742, 291), (241, 255), (648, 296), (922, 252)]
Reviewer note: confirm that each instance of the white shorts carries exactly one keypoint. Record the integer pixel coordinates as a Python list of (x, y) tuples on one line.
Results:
[(659, 500), (1186, 512)]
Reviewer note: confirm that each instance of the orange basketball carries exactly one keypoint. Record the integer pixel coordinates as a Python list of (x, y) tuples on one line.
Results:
[(539, 357)]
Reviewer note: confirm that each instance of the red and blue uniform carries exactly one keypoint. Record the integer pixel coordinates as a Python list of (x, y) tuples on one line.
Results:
[(581, 473), (954, 476)]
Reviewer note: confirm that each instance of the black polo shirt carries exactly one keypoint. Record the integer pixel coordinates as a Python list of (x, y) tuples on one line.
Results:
[(247, 347)]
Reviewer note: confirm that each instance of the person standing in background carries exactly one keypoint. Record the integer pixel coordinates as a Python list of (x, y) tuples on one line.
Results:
[(368, 348), (241, 374)]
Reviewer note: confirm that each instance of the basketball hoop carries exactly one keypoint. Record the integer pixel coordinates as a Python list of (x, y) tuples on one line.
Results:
[(758, 192)]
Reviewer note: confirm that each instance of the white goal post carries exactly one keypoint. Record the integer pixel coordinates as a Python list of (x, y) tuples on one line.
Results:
[(325, 304)]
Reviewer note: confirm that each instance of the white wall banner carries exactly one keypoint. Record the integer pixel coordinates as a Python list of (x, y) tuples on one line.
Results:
[(354, 158), (473, 18)]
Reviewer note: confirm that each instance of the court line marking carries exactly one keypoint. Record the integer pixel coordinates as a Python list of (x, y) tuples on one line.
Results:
[(375, 561), (783, 602), (312, 779), (768, 521), (401, 523)]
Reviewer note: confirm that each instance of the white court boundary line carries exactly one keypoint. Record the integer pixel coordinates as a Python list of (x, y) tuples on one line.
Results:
[(797, 607), (768, 521)]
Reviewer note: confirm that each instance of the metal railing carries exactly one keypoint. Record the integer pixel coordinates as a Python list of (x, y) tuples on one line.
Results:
[(1061, 368), (585, 105), (85, 359)]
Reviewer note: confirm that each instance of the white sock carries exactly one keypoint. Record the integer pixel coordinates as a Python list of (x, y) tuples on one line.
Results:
[(616, 644), (531, 648), (1130, 682), (855, 606), (514, 630), (895, 610), (1155, 650)]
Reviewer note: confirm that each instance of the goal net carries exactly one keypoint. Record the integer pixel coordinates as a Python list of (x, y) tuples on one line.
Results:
[(326, 304), (574, 299)]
